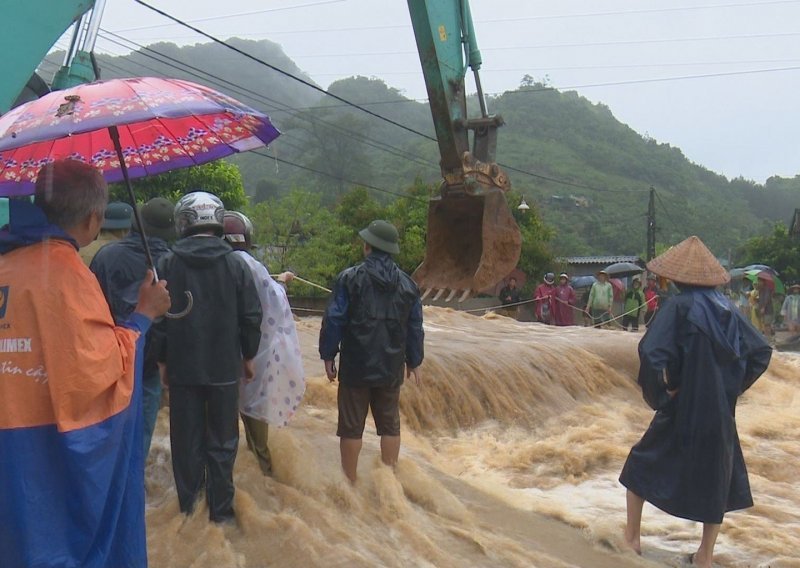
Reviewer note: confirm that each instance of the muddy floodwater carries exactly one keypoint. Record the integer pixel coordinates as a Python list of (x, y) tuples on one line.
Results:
[(511, 451)]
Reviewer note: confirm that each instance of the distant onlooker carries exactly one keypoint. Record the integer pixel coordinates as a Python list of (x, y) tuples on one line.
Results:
[(510, 293), (634, 304), (116, 224), (601, 300), (543, 297), (764, 306), (651, 298), (791, 309), (564, 300)]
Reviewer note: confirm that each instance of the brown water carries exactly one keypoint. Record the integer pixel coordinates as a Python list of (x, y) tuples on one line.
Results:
[(518, 431)]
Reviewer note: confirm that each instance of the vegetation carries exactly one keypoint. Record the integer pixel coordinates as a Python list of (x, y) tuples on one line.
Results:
[(587, 175), (778, 250), (221, 178)]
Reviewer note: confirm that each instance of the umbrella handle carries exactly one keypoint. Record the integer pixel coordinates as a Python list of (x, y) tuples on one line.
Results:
[(183, 313)]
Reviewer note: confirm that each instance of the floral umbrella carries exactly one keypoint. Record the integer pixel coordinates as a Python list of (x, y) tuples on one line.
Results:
[(127, 128), (163, 124)]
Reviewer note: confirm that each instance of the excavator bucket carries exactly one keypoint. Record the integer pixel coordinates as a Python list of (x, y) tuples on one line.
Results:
[(473, 243)]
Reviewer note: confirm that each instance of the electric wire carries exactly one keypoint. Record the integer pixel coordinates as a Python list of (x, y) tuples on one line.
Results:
[(337, 97), (277, 105)]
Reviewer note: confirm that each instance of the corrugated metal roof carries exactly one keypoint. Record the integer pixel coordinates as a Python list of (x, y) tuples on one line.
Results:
[(598, 259)]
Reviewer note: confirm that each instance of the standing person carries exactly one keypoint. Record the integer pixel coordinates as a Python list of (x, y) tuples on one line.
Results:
[(791, 309), (766, 310), (374, 320), (204, 354), (543, 297), (509, 296), (698, 356), (71, 464), (564, 300), (634, 304), (275, 392), (601, 300), (652, 298), (116, 224), (118, 267)]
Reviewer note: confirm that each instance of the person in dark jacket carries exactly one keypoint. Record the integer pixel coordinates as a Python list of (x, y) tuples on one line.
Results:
[(374, 321), (203, 354), (118, 267), (697, 357)]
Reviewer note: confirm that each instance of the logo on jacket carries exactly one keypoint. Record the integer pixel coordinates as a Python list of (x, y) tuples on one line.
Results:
[(3, 301)]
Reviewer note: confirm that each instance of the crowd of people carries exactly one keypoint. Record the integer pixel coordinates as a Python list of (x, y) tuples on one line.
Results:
[(94, 344), (557, 303), (88, 349)]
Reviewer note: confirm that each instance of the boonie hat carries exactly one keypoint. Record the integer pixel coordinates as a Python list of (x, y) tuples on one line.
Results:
[(690, 262), (158, 218), (381, 235), (117, 216)]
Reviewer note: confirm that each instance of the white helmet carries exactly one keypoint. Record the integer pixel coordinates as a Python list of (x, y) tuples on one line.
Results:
[(199, 211)]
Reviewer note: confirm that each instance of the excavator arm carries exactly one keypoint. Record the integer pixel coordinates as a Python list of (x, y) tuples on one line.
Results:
[(473, 241)]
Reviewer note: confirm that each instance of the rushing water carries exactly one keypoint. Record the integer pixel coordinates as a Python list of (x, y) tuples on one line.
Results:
[(518, 431)]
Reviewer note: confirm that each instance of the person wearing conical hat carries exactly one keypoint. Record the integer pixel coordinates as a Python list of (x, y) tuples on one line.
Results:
[(697, 357)]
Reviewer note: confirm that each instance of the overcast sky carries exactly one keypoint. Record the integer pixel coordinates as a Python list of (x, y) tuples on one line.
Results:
[(610, 51)]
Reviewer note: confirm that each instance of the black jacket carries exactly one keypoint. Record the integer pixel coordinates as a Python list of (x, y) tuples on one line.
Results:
[(689, 462), (207, 346), (375, 318), (120, 268)]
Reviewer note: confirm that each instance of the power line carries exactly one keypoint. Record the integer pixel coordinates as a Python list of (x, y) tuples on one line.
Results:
[(281, 107), (283, 72), (341, 99), (340, 179), (666, 212)]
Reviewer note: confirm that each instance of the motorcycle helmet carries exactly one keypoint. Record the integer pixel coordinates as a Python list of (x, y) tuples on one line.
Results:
[(197, 212), (238, 230)]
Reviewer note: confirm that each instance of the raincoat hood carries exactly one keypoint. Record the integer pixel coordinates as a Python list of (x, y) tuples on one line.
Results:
[(199, 251), (28, 225), (382, 270), (712, 313)]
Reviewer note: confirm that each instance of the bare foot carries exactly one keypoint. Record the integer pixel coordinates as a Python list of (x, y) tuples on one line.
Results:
[(695, 560), (633, 543)]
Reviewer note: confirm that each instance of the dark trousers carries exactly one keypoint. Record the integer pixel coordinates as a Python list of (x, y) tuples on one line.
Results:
[(630, 320), (204, 436)]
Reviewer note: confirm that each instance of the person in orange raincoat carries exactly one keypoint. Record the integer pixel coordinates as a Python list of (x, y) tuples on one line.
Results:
[(71, 462)]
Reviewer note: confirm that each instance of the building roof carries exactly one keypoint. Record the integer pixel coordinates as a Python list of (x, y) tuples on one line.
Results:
[(577, 260)]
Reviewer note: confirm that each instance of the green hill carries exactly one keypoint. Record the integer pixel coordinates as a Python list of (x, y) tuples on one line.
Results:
[(603, 167)]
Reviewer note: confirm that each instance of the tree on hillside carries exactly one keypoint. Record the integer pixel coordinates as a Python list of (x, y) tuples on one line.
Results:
[(778, 250), (220, 178)]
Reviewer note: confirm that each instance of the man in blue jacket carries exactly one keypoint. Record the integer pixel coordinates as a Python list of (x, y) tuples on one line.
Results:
[(118, 267), (374, 321)]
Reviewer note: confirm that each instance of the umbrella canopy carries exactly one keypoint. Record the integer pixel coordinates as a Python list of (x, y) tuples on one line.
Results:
[(772, 281), (163, 124), (623, 269), (582, 281), (761, 267), (737, 273)]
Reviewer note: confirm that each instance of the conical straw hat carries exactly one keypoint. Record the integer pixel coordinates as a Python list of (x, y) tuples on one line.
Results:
[(690, 262)]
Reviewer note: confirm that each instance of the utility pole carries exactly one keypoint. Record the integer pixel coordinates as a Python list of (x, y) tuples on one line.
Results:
[(651, 225)]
